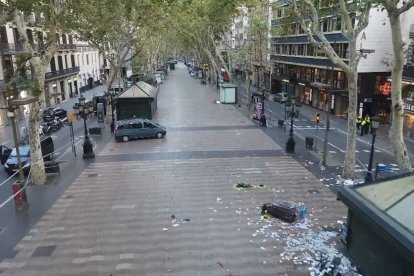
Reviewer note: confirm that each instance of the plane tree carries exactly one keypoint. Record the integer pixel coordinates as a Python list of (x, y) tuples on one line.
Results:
[(354, 18), (37, 55)]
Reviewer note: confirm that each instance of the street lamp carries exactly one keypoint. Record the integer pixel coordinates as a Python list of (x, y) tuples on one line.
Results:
[(375, 125), (292, 113), (84, 110), (110, 95)]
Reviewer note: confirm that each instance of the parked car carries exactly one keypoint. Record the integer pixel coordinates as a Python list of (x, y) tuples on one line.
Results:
[(9, 158), (281, 97), (126, 130), (51, 113)]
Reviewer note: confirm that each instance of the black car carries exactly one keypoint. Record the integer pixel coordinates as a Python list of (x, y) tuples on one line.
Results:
[(51, 113)]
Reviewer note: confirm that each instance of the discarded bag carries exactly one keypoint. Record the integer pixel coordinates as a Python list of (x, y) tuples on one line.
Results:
[(281, 211), (243, 185)]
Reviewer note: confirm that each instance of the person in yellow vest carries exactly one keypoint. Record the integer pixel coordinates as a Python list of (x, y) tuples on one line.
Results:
[(368, 123), (363, 125), (358, 121)]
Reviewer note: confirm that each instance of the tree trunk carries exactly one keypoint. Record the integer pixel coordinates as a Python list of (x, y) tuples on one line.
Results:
[(248, 93), (37, 164), (220, 56), (397, 109), (112, 76), (349, 162)]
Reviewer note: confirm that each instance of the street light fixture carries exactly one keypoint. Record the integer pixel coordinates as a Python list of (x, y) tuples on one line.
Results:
[(375, 125), (84, 110), (292, 113)]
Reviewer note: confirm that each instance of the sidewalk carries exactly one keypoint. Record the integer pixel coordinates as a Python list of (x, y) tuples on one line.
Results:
[(6, 132)]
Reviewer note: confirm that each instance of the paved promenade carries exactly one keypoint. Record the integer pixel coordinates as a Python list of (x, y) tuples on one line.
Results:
[(170, 206)]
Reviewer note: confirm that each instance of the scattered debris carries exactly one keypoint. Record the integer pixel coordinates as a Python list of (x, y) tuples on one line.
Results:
[(243, 185), (218, 199), (164, 229), (184, 220), (175, 225)]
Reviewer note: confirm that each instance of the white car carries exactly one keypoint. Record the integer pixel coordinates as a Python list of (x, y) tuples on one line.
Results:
[(281, 97)]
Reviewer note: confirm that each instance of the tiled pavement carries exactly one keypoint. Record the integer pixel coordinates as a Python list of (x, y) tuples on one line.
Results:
[(116, 218)]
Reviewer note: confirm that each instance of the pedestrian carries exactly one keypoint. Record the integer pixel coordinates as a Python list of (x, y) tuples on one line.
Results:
[(368, 124), (358, 121), (263, 121), (363, 123)]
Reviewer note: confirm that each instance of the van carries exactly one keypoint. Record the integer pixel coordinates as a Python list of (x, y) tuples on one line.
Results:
[(9, 157), (126, 130)]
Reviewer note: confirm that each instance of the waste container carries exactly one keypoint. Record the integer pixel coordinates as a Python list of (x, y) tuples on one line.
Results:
[(52, 167), (280, 123), (309, 142)]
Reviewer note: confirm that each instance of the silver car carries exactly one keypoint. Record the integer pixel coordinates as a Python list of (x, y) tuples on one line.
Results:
[(126, 130), (281, 97)]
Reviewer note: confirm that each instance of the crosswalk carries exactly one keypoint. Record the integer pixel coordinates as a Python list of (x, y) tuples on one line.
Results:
[(393, 167), (357, 151)]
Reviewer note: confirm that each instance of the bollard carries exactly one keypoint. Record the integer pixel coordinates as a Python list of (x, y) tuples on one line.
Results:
[(20, 198)]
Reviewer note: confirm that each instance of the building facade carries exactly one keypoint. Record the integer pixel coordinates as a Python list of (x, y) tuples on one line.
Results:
[(74, 66), (301, 70)]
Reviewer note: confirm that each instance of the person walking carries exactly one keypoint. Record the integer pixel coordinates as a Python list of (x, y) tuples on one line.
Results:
[(358, 121), (368, 123), (363, 123)]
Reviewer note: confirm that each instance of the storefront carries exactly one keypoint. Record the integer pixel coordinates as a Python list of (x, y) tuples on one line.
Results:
[(409, 118)]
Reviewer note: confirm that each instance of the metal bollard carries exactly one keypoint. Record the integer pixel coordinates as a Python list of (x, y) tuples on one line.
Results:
[(20, 198)]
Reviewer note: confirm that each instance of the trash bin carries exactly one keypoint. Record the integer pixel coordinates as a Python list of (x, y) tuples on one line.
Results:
[(52, 167), (309, 142), (280, 123)]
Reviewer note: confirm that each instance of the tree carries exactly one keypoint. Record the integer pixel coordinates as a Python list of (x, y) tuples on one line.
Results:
[(308, 13), (114, 27), (395, 8), (38, 56)]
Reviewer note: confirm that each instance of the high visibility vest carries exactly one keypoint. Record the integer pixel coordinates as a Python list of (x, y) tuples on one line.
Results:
[(363, 122), (358, 120), (368, 119)]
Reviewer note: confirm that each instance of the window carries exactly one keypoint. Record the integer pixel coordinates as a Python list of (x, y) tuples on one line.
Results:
[(148, 125), (135, 125)]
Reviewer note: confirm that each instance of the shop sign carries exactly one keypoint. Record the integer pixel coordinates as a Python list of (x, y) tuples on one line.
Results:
[(409, 107)]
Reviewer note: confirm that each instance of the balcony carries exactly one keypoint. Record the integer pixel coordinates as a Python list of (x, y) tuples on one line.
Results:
[(16, 48), (11, 48), (67, 47), (62, 73)]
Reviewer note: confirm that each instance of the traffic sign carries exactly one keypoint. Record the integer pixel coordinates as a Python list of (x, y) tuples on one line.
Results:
[(70, 117)]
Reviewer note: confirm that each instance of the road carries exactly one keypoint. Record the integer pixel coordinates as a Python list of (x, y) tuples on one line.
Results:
[(306, 126)]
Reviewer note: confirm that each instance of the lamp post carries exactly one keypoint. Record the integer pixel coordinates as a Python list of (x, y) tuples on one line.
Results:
[(11, 114), (292, 113), (375, 125), (85, 110)]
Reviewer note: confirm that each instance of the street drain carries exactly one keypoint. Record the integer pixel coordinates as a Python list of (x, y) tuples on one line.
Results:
[(92, 174), (314, 191), (44, 251)]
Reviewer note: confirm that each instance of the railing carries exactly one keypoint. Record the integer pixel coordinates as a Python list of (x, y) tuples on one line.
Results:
[(61, 73), (67, 46), (11, 47)]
